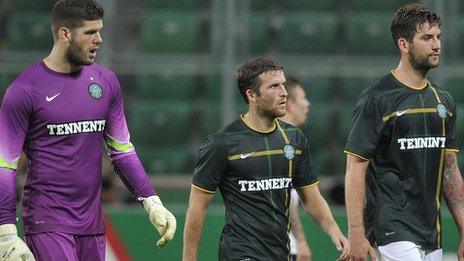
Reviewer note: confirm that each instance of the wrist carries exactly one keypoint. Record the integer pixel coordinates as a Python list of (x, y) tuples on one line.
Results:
[(149, 202), (335, 230), (356, 228)]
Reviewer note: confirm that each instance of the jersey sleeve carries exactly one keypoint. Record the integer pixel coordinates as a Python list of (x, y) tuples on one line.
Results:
[(450, 124), (366, 128), (15, 114), (210, 165), (304, 174), (121, 151)]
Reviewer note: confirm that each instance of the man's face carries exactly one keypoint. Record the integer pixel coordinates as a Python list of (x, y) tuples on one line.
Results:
[(298, 106), (84, 43), (424, 51), (272, 97)]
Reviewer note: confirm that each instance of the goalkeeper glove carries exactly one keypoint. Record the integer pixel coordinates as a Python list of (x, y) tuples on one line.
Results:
[(12, 248), (161, 218)]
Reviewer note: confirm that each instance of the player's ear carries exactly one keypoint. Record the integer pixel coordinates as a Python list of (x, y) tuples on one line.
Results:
[(65, 34), (403, 45), (251, 95)]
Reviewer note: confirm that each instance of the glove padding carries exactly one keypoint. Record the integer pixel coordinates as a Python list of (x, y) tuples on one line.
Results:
[(12, 248), (163, 220)]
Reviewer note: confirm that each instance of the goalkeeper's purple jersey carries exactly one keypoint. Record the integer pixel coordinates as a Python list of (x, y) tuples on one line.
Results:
[(62, 122)]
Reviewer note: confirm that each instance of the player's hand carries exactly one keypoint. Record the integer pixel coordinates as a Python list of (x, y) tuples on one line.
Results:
[(360, 247), (461, 250), (163, 220), (303, 251), (342, 244), (12, 248)]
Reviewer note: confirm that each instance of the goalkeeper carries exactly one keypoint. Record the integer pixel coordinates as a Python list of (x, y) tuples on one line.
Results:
[(62, 111)]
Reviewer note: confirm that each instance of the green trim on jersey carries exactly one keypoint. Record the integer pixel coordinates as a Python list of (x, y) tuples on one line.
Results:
[(354, 154), (124, 147), (409, 111), (5, 164), (202, 189), (242, 118), (310, 185), (438, 196), (259, 154), (413, 111), (271, 195), (283, 133), (287, 195)]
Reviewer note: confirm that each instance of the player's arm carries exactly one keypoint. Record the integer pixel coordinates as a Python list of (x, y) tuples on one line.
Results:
[(355, 193), (14, 122), (210, 167), (303, 250), (453, 191), (129, 168), (194, 219), (318, 209)]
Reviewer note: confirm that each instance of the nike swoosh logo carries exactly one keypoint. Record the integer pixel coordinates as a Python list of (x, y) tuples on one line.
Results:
[(49, 99), (244, 156), (399, 113)]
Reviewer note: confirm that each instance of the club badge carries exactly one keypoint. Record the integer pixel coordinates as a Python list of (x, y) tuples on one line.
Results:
[(289, 152), (95, 90), (441, 109)]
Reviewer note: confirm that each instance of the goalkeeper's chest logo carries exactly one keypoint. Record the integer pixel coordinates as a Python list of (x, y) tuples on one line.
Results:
[(95, 91), (75, 127)]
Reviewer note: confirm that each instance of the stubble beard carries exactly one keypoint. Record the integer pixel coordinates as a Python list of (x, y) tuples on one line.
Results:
[(421, 63), (272, 114), (76, 55)]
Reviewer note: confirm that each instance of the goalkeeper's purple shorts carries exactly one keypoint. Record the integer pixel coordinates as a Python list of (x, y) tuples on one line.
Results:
[(59, 246)]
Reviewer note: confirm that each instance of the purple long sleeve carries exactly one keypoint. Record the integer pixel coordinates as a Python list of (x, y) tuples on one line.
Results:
[(62, 122), (14, 121), (122, 152)]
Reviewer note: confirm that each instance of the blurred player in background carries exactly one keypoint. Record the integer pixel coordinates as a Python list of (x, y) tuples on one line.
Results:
[(254, 160), (296, 115), (61, 111), (402, 145)]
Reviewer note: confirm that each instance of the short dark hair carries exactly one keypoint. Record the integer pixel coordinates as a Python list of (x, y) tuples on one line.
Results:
[(248, 74), (72, 14), (290, 84), (409, 18)]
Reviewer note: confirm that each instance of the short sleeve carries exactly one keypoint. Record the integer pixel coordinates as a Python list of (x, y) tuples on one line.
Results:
[(451, 123), (304, 174), (211, 164), (366, 128)]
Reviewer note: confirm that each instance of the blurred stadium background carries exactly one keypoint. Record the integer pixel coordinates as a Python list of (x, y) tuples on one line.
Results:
[(176, 60)]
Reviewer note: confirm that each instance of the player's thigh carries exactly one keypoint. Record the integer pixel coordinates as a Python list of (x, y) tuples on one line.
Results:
[(400, 251), (52, 246), (91, 247)]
